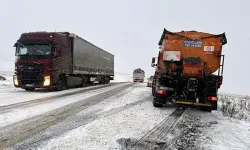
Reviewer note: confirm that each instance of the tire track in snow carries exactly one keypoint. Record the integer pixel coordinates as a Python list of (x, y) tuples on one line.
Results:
[(19, 131), (7, 108), (155, 138), (71, 124)]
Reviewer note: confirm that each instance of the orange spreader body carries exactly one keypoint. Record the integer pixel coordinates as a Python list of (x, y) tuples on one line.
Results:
[(192, 43)]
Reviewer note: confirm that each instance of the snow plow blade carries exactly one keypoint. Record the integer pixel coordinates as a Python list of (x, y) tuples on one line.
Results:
[(204, 106), (192, 103)]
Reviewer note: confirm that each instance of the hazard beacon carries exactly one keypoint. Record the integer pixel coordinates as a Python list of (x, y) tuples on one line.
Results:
[(185, 69)]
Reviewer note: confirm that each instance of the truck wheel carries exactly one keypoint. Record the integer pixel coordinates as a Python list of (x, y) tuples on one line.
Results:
[(208, 109), (61, 85), (157, 104), (29, 89), (153, 90), (108, 81), (105, 81), (102, 81), (85, 82)]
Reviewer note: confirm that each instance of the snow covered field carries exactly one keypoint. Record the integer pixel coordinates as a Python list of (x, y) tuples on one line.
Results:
[(236, 106), (6, 84)]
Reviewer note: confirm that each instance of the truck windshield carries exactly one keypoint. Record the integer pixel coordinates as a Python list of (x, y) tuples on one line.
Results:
[(36, 50)]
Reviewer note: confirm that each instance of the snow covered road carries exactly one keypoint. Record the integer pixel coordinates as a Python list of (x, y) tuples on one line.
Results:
[(120, 116), (25, 109)]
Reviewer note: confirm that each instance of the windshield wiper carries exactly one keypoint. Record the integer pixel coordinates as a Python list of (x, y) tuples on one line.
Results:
[(36, 62)]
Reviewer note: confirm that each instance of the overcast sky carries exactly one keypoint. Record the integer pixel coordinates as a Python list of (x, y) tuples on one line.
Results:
[(131, 29)]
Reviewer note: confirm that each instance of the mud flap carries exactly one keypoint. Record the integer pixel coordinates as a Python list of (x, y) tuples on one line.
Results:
[(157, 102)]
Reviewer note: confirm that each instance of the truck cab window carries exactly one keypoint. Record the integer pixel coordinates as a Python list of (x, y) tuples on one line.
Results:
[(22, 50), (34, 50)]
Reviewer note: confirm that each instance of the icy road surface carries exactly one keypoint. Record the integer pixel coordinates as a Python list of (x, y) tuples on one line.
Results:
[(119, 116)]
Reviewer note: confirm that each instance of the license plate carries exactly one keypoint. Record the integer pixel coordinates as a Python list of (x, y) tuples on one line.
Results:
[(192, 43), (29, 85)]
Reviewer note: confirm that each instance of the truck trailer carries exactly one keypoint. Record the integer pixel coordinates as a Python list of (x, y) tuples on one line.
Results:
[(59, 60), (138, 75), (185, 69)]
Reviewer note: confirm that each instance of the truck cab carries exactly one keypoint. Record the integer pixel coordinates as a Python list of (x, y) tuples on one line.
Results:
[(150, 81), (40, 58)]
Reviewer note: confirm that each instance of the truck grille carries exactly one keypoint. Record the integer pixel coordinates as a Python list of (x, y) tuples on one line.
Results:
[(30, 73)]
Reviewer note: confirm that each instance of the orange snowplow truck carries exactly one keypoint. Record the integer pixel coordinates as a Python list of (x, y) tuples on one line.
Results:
[(185, 70)]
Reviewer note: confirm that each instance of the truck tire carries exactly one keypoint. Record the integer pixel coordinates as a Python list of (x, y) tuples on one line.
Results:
[(208, 109), (61, 85), (157, 104), (84, 82), (102, 81), (153, 89)]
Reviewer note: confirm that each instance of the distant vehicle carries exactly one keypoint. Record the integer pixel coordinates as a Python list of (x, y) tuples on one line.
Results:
[(138, 75), (150, 81), (185, 67), (59, 60)]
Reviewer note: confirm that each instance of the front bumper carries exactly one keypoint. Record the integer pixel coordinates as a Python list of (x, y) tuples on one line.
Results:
[(40, 82)]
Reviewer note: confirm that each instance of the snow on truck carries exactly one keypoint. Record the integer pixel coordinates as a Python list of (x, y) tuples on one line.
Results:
[(138, 75), (59, 60), (185, 69)]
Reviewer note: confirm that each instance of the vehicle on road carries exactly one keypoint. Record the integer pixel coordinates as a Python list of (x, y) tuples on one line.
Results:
[(150, 81), (138, 75), (186, 66), (59, 60)]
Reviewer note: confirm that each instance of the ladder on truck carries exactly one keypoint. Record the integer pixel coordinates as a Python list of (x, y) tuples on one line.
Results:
[(220, 71)]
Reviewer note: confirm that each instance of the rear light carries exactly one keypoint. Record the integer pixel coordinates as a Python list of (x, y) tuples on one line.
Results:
[(162, 92), (212, 98), (220, 82)]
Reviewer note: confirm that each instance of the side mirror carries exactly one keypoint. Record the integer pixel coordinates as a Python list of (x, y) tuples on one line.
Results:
[(153, 60)]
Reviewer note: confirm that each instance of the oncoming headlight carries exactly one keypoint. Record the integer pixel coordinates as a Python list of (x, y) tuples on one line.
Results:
[(46, 81), (15, 79)]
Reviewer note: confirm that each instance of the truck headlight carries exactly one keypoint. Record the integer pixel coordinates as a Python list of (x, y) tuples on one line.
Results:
[(46, 81), (15, 79)]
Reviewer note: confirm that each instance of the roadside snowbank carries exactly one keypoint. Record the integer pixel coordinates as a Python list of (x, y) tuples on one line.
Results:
[(235, 106), (205, 130), (6, 84), (227, 133)]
